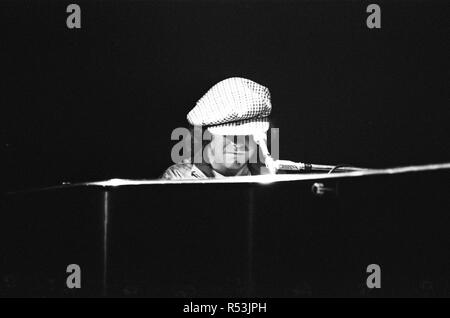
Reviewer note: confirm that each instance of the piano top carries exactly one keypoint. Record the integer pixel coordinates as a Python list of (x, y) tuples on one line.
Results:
[(272, 178), (259, 179)]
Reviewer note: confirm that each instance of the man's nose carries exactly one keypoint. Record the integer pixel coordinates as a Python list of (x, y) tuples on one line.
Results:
[(237, 143)]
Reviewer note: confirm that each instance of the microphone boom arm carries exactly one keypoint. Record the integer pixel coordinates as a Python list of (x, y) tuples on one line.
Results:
[(275, 165)]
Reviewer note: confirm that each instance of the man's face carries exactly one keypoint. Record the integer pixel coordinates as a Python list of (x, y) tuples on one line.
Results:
[(232, 151)]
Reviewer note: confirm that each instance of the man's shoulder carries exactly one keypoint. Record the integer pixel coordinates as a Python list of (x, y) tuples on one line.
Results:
[(183, 170)]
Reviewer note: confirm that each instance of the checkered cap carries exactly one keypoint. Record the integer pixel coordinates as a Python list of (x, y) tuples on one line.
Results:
[(231, 100)]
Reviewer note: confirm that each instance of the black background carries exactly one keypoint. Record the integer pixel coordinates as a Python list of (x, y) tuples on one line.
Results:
[(101, 101)]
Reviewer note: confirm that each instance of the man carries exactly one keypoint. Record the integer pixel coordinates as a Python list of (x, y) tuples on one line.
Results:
[(234, 111)]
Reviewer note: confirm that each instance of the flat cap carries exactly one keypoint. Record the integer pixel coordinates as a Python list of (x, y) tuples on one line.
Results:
[(235, 105)]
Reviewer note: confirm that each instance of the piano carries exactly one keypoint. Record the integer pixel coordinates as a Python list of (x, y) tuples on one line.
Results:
[(291, 235)]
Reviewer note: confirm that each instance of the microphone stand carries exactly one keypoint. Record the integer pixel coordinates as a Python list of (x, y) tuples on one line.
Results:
[(275, 165)]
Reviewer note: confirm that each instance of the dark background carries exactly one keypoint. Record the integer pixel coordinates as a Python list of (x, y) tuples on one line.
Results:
[(101, 101)]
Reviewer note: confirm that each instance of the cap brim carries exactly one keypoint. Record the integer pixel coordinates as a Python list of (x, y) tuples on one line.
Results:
[(243, 127)]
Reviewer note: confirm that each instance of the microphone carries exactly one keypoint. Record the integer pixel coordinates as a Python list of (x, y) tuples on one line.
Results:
[(260, 140)]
